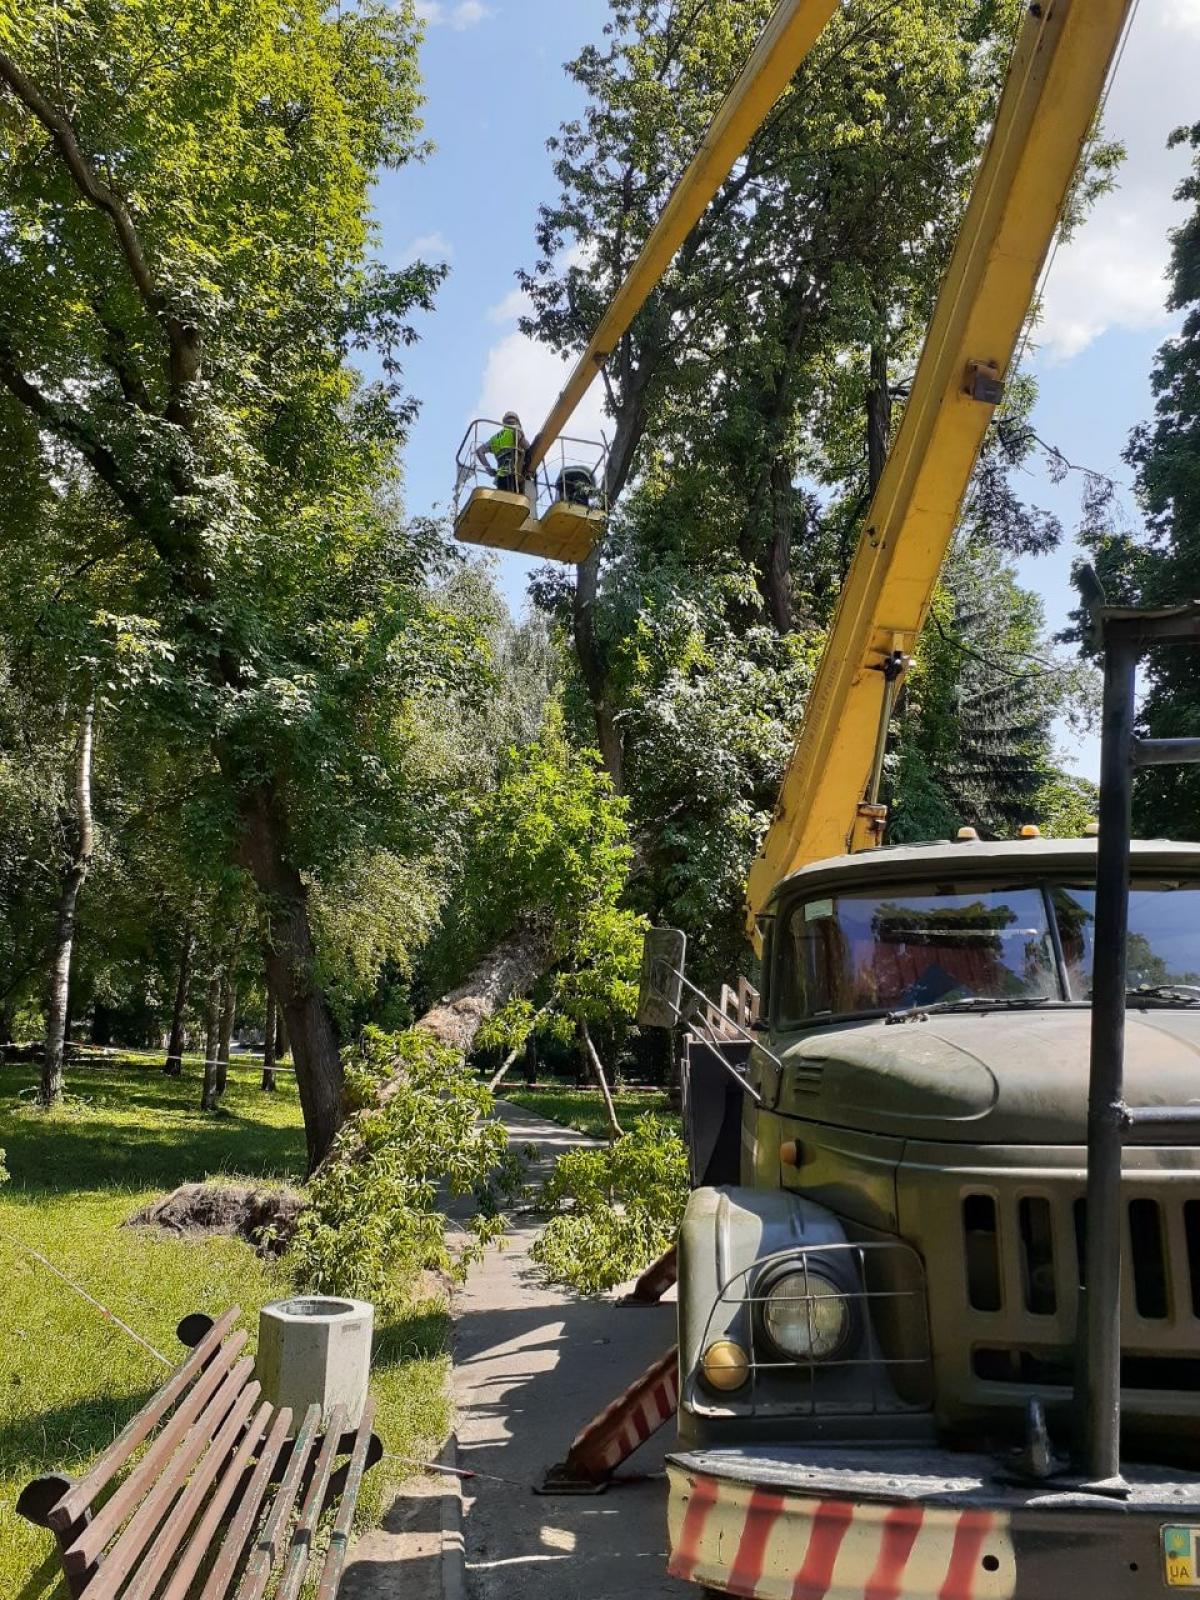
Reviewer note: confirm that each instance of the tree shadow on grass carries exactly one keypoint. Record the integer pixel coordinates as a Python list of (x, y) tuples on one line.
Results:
[(154, 1137), (82, 1156)]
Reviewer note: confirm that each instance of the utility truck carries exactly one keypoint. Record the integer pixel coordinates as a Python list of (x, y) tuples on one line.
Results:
[(879, 1312), (938, 1251)]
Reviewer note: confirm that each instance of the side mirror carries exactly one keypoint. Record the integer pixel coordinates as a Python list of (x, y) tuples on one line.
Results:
[(660, 993)]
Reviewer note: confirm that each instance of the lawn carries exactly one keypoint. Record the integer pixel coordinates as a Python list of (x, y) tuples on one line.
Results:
[(69, 1378), (584, 1109)]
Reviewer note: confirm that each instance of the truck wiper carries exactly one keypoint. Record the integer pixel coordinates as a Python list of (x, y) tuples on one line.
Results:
[(971, 1002), (1186, 994)]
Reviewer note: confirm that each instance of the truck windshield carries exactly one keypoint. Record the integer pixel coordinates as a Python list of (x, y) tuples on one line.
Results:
[(911, 947), (853, 953), (1164, 934)]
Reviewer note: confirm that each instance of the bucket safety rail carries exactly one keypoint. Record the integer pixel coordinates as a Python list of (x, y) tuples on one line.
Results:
[(574, 472), (470, 472)]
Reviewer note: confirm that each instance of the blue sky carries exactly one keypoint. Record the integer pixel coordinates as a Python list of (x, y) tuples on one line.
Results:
[(496, 91)]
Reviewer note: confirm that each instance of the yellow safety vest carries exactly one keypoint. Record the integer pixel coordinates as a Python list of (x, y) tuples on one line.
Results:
[(503, 443)]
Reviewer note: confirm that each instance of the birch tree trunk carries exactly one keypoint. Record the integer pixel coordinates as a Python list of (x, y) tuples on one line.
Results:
[(173, 1066), (269, 1033), (212, 1030), (228, 1016), (64, 931)]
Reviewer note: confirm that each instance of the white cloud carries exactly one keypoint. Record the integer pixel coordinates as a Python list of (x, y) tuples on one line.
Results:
[(1113, 277), (428, 247), (516, 303), (1111, 274), (524, 376), (440, 14), (1182, 15)]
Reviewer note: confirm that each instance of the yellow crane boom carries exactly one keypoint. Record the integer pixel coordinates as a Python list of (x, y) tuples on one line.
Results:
[(789, 35), (1050, 101), (1054, 87)]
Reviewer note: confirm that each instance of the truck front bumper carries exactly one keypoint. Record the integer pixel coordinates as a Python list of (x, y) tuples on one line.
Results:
[(824, 1524)]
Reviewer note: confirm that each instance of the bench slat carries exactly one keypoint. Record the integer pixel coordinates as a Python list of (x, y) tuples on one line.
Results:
[(163, 1487), (266, 1550), (219, 1579), (189, 1562), (183, 1513), (339, 1542), (302, 1539), (110, 1517), (82, 1493)]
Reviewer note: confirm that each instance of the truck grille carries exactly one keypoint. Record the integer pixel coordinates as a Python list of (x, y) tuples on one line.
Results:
[(1024, 1264)]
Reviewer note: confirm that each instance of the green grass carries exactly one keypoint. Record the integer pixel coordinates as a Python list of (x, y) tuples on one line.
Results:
[(584, 1109), (69, 1378)]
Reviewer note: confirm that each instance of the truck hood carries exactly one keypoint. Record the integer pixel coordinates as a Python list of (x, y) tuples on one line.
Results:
[(999, 1077)]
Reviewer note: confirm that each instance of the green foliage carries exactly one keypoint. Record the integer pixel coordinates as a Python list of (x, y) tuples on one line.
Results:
[(618, 1208), (752, 402), (976, 742), (70, 1379), (549, 842), (373, 1221), (1159, 565)]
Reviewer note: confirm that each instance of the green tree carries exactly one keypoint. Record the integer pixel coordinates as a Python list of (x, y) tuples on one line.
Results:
[(185, 267), (976, 730), (1159, 565), (827, 241)]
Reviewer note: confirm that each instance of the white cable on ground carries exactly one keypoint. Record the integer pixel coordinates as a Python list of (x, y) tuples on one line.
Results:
[(84, 1295)]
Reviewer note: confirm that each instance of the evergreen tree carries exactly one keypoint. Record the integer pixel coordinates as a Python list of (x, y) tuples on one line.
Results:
[(1161, 567)]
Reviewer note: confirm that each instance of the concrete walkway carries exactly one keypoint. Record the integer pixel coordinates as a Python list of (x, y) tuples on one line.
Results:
[(531, 1365)]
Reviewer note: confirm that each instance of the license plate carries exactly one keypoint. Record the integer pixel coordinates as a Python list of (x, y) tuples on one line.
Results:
[(1181, 1556)]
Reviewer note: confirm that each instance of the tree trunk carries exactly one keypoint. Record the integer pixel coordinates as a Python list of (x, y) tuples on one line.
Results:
[(173, 1067), (269, 1031), (228, 1016), (64, 933), (594, 669), (615, 1130), (776, 574), (281, 1038), (212, 1029), (290, 970), (879, 416), (511, 968)]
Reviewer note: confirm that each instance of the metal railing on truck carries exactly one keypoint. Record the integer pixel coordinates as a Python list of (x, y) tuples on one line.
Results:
[(1124, 635)]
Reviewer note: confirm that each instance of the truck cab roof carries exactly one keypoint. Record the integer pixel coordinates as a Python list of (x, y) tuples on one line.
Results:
[(906, 863)]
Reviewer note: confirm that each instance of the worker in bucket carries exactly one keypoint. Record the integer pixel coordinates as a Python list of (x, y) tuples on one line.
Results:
[(510, 447)]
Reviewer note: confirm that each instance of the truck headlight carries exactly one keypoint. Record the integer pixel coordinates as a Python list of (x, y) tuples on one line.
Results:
[(807, 1316)]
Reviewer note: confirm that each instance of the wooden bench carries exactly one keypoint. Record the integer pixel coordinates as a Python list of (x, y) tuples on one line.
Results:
[(224, 1493)]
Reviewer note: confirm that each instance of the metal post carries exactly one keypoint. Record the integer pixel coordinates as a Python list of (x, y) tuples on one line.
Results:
[(1102, 1301)]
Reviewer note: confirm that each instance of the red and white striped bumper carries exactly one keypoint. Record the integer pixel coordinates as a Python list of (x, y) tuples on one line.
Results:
[(773, 1544)]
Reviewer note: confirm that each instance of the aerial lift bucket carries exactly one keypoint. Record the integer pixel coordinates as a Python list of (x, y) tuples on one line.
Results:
[(501, 519)]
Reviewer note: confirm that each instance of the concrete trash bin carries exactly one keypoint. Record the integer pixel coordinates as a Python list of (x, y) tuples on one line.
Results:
[(316, 1347)]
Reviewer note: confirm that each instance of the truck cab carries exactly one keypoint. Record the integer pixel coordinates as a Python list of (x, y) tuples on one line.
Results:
[(892, 1288)]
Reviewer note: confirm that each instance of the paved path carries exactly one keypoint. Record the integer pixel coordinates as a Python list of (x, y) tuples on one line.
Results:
[(531, 1365)]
